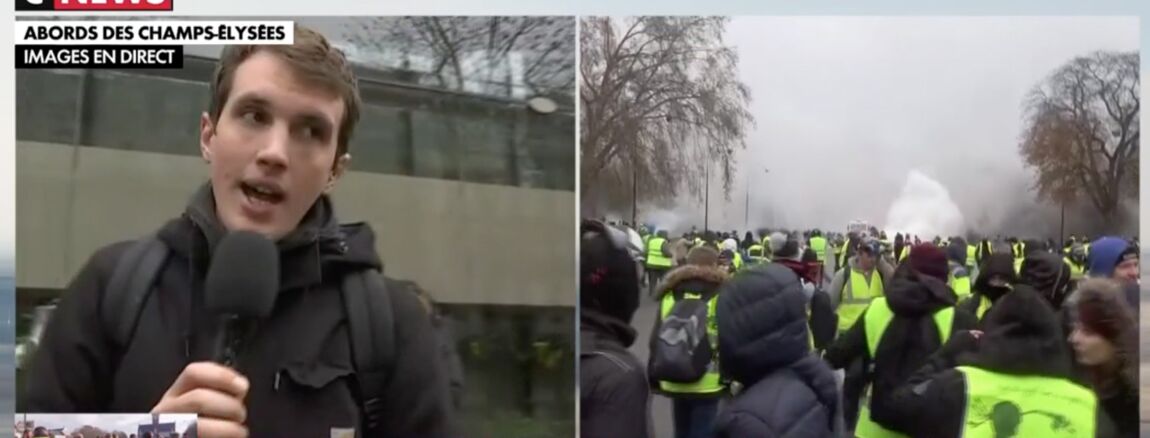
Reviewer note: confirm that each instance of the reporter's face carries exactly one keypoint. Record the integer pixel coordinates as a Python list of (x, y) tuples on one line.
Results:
[(1090, 349), (273, 148)]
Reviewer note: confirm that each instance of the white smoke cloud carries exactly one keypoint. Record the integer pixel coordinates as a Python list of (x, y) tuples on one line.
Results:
[(924, 208)]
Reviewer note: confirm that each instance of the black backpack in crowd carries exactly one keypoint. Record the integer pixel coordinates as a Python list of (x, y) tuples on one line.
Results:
[(366, 302), (681, 351)]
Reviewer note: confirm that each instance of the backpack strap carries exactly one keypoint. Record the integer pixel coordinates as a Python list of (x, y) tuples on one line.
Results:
[(130, 286), (371, 326)]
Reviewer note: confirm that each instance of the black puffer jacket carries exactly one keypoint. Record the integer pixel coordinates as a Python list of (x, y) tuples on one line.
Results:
[(763, 345), (299, 361), (910, 338), (1021, 337)]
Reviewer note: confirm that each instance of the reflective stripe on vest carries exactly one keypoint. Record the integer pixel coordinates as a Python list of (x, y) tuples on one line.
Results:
[(983, 306), (1025, 406), (1018, 266), (856, 296), (710, 382), (819, 244), (1076, 271), (655, 257), (875, 321), (960, 285)]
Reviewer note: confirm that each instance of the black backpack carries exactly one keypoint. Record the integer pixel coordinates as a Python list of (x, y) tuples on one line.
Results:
[(366, 302), (682, 351)]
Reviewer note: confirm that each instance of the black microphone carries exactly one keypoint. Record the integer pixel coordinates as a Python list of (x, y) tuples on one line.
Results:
[(240, 287)]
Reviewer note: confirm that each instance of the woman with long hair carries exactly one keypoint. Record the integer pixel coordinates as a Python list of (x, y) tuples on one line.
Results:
[(1105, 341)]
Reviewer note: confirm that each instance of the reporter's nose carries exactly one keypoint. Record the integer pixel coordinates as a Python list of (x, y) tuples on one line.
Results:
[(273, 154)]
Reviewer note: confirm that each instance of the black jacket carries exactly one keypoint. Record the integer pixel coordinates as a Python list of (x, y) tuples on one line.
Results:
[(1022, 337), (910, 338), (613, 395), (763, 344), (1001, 265), (298, 361)]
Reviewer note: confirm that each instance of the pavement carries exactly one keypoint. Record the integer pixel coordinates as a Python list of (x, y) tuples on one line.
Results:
[(644, 321)]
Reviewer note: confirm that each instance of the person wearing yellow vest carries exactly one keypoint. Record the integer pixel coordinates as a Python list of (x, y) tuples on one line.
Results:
[(764, 350), (959, 278), (996, 278), (819, 244), (896, 331), (1076, 261), (971, 256), (694, 404), (659, 259), (1011, 379)]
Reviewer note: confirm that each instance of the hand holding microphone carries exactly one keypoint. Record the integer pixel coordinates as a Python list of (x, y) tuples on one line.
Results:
[(241, 286)]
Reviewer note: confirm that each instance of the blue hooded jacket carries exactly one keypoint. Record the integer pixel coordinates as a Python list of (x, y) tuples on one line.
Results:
[(1104, 255)]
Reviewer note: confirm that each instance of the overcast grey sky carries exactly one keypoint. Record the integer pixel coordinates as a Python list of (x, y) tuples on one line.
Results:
[(846, 107)]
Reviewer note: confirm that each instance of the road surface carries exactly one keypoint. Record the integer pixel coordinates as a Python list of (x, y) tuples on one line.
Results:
[(643, 322)]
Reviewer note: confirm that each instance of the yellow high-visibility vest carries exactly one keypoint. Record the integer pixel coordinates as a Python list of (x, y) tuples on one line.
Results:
[(856, 296), (1035, 406)]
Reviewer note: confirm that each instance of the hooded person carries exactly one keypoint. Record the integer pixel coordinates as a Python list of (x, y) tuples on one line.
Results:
[(959, 277), (694, 404), (613, 387), (1012, 379), (996, 277), (823, 322), (1113, 257), (763, 343), (1105, 343), (898, 332)]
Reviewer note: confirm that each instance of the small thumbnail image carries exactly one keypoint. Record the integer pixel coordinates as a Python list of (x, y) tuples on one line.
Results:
[(105, 425)]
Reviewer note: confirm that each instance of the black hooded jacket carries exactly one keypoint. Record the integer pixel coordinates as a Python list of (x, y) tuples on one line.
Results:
[(298, 360), (1001, 265), (910, 338), (763, 342), (1021, 337), (614, 396)]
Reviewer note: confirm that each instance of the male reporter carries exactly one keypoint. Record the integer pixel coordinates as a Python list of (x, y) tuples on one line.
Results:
[(276, 139)]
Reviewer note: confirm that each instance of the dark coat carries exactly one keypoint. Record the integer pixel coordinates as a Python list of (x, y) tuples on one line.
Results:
[(1022, 337), (613, 395), (300, 387), (910, 338), (763, 345)]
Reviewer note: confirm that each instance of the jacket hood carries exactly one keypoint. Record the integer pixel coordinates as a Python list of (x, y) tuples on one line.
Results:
[(317, 241), (1022, 335), (913, 295), (1104, 255), (1048, 274), (712, 275), (997, 264), (762, 322), (956, 251)]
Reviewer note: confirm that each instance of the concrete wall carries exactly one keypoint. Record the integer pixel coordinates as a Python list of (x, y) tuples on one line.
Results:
[(466, 242)]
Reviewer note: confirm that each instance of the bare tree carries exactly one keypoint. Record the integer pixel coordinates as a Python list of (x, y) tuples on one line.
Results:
[(544, 49), (660, 101), (1082, 132)]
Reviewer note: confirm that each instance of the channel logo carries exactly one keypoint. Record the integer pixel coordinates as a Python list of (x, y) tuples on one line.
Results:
[(94, 5)]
